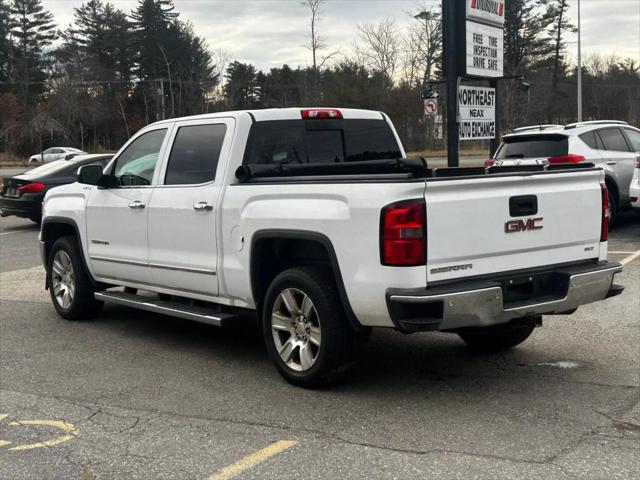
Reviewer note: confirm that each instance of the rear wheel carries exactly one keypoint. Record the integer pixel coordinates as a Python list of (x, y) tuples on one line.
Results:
[(306, 333), (69, 284), (496, 338)]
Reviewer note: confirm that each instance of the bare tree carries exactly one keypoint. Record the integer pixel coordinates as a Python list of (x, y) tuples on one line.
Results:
[(423, 53), (380, 48), (317, 43)]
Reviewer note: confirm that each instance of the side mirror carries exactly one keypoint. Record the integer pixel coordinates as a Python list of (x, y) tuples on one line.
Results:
[(89, 174)]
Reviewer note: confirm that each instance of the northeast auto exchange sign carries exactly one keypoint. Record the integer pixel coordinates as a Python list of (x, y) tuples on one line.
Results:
[(477, 113)]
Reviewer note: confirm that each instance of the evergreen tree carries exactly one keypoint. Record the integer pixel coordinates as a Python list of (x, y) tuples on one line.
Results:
[(100, 41), (33, 29), (242, 90), (6, 45), (152, 20), (525, 45)]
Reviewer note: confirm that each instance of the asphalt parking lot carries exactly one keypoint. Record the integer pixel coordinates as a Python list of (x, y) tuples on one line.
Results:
[(137, 395)]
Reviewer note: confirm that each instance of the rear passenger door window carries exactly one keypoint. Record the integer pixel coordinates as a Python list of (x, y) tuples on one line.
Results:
[(195, 154), (634, 139), (613, 140)]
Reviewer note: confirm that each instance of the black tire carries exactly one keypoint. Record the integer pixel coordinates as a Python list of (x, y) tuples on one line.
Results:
[(36, 220), (83, 305), (499, 337), (339, 341)]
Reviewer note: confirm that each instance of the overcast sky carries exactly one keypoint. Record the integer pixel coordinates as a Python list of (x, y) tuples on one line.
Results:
[(269, 33)]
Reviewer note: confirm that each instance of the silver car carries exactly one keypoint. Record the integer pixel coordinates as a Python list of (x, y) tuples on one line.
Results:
[(55, 153), (612, 145), (634, 189)]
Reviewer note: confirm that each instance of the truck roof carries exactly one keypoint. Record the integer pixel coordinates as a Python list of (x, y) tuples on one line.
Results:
[(294, 113)]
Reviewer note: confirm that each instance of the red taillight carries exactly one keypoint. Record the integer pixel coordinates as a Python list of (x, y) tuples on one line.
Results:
[(604, 229), (637, 162), (32, 188), (403, 233), (321, 113), (489, 163), (566, 159)]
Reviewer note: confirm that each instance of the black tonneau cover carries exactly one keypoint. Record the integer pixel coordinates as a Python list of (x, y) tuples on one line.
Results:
[(411, 167)]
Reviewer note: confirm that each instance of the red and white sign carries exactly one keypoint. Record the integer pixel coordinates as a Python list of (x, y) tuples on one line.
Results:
[(486, 11), (430, 106)]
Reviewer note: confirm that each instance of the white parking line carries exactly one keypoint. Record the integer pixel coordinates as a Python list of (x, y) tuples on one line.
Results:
[(630, 258), (17, 231)]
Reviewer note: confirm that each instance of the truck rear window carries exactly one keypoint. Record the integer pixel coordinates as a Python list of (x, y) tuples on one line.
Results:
[(530, 146), (300, 142)]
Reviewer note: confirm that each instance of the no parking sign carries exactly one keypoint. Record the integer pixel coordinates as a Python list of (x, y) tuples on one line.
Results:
[(431, 106)]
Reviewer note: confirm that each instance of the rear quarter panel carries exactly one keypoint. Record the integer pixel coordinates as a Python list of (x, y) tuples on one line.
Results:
[(347, 214)]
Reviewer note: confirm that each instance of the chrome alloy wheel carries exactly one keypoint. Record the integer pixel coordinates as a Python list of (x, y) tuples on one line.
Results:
[(295, 326), (63, 279)]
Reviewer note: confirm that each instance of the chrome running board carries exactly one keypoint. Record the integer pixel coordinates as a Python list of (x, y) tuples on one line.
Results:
[(171, 308)]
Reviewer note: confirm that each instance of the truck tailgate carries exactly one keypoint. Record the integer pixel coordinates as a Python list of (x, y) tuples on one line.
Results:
[(491, 224)]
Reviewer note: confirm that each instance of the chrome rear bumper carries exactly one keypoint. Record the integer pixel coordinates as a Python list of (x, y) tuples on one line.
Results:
[(482, 303)]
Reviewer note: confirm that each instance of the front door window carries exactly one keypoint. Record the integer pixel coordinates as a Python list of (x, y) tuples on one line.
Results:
[(135, 166)]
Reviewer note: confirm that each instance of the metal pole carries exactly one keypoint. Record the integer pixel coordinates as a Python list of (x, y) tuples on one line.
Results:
[(579, 65), (450, 55), (495, 142)]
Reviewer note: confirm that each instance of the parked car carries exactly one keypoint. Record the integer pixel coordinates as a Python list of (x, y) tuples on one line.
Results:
[(634, 189), (22, 194), (55, 153), (312, 219), (612, 145)]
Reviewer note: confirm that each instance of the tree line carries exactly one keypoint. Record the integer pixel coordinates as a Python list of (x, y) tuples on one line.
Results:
[(99, 80)]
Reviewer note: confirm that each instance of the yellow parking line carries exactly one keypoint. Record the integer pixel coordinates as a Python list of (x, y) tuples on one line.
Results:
[(70, 430), (630, 258), (252, 460)]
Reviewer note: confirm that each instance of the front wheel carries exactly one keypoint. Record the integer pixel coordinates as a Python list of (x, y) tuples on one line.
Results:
[(496, 338), (305, 329), (69, 284)]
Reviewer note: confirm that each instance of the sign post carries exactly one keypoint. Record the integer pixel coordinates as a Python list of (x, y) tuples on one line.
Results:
[(453, 21), (473, 46)]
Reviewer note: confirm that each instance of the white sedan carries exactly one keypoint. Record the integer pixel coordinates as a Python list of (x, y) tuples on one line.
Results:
[(634, 189), (55, 153)]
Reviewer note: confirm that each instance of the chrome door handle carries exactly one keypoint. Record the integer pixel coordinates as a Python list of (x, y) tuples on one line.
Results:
[(138, 205), (610, 162), (202, 206)]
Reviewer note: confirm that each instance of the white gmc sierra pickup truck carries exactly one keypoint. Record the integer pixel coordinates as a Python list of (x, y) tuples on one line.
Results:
[(313, 219)]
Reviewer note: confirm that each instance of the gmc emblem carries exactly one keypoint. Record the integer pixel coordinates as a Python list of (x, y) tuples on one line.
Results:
[(513, 226)]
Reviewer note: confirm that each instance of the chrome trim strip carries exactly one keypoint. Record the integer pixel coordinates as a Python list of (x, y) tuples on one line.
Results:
[(429, 298), (115, 260), (152, 307), (154, 265)]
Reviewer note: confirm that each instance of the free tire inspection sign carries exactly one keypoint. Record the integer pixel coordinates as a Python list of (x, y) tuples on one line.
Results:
[(485, 37), (477, 107)]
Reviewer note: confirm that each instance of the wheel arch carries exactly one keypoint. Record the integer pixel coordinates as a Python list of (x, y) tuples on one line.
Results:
[(281, 248), (612, 185), (52, 229)]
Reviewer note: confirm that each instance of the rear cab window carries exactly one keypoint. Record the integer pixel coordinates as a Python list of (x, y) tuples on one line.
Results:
[(533, 146), (320, 141)]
